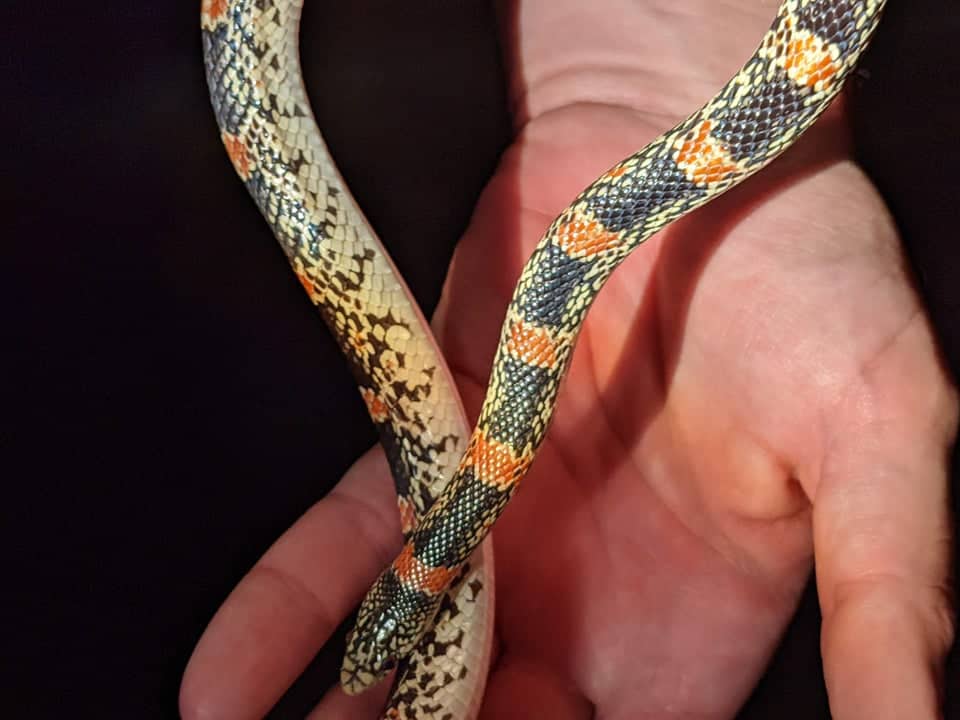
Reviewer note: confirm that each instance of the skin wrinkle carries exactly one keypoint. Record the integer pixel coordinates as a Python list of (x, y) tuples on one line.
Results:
[(679, 89), (524, 140), (847, 590), (835, 434), (607, 86), (736, 562), (315, 602), (731, 553), (779, 459), (648, 117), (383, 548), (934, 614), (852, 533), (870, 363)]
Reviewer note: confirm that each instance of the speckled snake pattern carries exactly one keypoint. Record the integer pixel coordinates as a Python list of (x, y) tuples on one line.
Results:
[(429, 614), (267, 127)]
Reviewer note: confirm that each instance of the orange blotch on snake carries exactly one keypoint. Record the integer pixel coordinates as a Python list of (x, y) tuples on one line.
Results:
[(532, 345), (495, 463), (306, 282), (408, 516), (358, 341), (376, 407), (411, 571), (703, 159), (585, 237), (805, 57), (213, 10), (808, 62), (616, 172), (237, 152)]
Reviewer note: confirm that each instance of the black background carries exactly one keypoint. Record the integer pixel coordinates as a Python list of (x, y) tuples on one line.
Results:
[(172, 403)]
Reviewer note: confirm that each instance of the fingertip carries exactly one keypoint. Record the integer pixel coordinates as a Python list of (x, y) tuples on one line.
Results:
[(191, 701), (281, 613), (253, 648)]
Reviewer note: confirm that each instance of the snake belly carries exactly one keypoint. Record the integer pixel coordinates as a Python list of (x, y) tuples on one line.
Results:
[(800, 66), (266, 124)]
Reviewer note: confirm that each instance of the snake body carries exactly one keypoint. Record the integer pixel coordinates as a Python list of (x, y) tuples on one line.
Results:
[(430, 609), (253, 72)]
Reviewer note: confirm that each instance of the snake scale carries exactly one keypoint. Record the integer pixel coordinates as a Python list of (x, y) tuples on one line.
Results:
[(429, 614)]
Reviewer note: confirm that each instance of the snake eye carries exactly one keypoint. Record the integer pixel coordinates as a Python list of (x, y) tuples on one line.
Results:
[(386, 631)]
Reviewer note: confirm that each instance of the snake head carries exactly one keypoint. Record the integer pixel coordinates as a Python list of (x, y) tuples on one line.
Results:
[(392, 619), (371, 653)]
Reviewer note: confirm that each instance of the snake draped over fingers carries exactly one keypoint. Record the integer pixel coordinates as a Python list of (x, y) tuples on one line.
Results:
[(430, 613)]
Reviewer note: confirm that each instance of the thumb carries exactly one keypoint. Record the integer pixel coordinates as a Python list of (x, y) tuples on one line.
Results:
[(882, 537)]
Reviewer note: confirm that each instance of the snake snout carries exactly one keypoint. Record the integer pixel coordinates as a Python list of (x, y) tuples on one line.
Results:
[(365, 667), (370, 653), (356, 678)]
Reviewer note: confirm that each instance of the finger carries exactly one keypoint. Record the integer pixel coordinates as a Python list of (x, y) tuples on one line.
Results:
[(882, 539), (287, 606)]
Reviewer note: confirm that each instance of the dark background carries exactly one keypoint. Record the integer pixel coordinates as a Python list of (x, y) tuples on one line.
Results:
[(171, 402)]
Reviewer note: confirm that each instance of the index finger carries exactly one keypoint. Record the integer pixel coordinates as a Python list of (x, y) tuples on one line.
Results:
[(297, 594)]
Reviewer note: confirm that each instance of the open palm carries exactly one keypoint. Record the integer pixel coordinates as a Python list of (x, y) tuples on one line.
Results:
[(755, 389), (758, 370)]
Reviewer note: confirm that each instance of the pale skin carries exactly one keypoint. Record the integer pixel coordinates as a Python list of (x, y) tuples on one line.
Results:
[(756, 390)]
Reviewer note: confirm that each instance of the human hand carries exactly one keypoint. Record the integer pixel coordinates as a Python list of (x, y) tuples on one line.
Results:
[(755, 388)]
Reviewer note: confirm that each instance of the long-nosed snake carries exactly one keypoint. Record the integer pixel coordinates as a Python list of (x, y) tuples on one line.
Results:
[(430, 612)]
